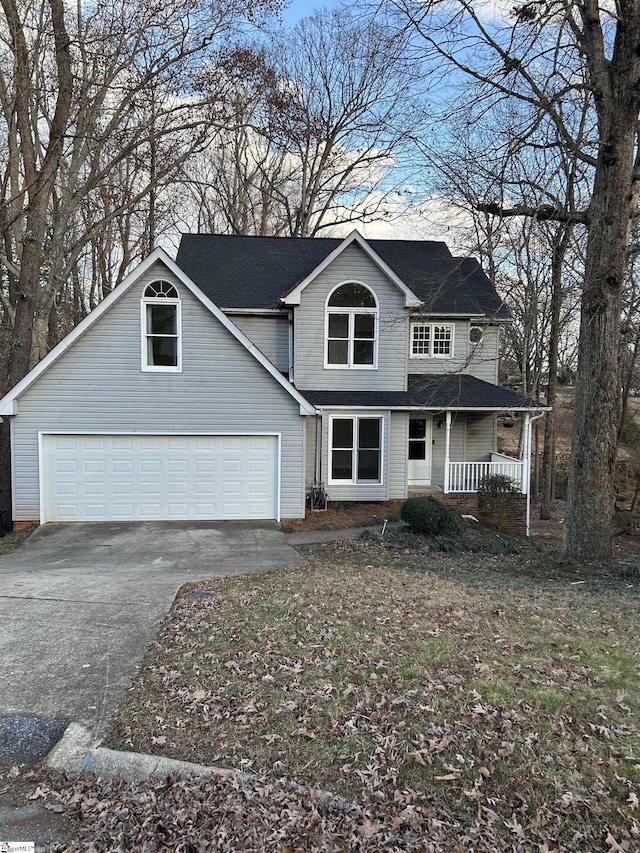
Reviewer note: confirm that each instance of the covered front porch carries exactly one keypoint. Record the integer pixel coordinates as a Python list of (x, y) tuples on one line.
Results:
[(439, 436), (452, 452)]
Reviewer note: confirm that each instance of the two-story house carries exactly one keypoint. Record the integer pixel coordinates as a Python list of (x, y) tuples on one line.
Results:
[(224, 384)]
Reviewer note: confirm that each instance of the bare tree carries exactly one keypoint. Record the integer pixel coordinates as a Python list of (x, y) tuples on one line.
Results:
[(81, 94), (313, 135), (542, 56)]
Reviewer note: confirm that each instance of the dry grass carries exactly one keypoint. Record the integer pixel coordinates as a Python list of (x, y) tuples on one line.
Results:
[(11, 541), (465, 688)]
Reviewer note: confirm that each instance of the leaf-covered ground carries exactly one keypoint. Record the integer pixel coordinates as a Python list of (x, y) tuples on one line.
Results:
[(456, 703), (461, 702)]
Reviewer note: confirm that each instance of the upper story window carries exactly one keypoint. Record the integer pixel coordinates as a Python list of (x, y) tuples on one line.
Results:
[(161, 327), (432, 340), (476, 333), (352, 327)]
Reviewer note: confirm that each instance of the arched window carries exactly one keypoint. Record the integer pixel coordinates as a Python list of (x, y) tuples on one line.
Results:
[(351, 327), (161, 327)]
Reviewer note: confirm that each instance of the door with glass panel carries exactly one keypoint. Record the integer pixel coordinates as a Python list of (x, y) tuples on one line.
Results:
[(419, 467)]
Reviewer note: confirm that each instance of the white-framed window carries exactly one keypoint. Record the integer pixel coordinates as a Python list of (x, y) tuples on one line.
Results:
[(432, 340), (355, 449), (161, 328), (351, 327)]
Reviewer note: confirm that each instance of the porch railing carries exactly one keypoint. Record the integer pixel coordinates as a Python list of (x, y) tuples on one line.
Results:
[(466, 476)]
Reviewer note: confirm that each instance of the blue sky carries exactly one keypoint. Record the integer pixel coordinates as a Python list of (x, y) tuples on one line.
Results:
[(297, 9)]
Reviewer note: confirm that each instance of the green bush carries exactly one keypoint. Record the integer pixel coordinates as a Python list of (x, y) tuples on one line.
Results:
[(428, 515), (496, 484), (498, 496)]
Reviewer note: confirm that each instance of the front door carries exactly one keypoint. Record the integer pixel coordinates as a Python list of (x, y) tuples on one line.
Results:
[(419, 468)]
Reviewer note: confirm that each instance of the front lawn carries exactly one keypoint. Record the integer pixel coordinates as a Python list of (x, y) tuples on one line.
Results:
[(476, 695)]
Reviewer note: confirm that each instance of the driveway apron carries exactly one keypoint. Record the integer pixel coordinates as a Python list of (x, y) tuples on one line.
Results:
[(80, 603)]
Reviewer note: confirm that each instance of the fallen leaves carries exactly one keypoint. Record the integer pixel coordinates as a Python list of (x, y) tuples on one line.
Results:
[(405, 693)]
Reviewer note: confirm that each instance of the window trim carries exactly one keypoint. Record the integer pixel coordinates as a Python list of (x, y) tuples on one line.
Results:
[(144, 334), (354, 450), (432, 325), (351, 314)]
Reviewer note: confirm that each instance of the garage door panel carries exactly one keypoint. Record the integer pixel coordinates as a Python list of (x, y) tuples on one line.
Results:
[(159, 477)]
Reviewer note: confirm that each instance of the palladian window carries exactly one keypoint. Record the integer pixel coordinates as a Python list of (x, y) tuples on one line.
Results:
[(161, 344), (351, 327)]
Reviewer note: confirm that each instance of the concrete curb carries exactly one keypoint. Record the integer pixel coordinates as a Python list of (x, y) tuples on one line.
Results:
[(77, 753)]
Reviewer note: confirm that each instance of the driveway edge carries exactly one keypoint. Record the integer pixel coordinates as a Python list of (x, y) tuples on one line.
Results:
[(77, 753)]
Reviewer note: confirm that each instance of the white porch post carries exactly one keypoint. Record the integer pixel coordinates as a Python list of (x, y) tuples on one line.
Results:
[(447, 443)]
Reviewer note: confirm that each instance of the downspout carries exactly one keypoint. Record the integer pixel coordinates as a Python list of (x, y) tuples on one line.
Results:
[(291, 347), (526, 466), (318, 472)]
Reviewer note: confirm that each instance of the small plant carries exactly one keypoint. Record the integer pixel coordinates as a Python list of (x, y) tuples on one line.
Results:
[(447, 544), (430, 516), (498, 499)]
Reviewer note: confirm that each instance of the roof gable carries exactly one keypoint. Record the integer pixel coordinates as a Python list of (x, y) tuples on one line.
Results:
[(245, 272), (8, 404), (293, 297)]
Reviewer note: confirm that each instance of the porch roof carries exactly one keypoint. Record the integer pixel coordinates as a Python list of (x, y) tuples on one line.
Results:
[(456, 391)]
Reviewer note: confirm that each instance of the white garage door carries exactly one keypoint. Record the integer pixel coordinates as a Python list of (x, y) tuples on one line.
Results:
[(159, 477)]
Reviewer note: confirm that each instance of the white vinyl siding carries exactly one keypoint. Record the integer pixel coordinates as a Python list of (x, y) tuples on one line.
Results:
[(484, 356), (310, 329), (97, 386), (481, 437), (270, 334), (397, 467)]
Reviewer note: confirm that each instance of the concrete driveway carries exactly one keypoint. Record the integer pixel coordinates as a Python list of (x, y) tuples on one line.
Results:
[(79, 603)]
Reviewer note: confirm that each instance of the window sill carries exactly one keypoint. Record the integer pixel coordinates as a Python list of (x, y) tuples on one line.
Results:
[(351, 367), (355, 482), (161, 369), (431, 357)]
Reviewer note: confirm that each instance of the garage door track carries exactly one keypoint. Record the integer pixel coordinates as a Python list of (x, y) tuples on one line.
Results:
[(79, 603)]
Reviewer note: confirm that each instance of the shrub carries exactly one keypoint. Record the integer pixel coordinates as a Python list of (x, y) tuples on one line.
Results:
[(496, 484), (498, 496), (448, 544), (428, 515)]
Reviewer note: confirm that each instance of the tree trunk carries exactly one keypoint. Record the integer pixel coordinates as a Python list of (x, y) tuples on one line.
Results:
[(549, 441), (587, 534), (41, 181)]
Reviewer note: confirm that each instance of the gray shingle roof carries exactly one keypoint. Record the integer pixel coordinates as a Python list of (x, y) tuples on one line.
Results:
[(456, 391), (254, 272)]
